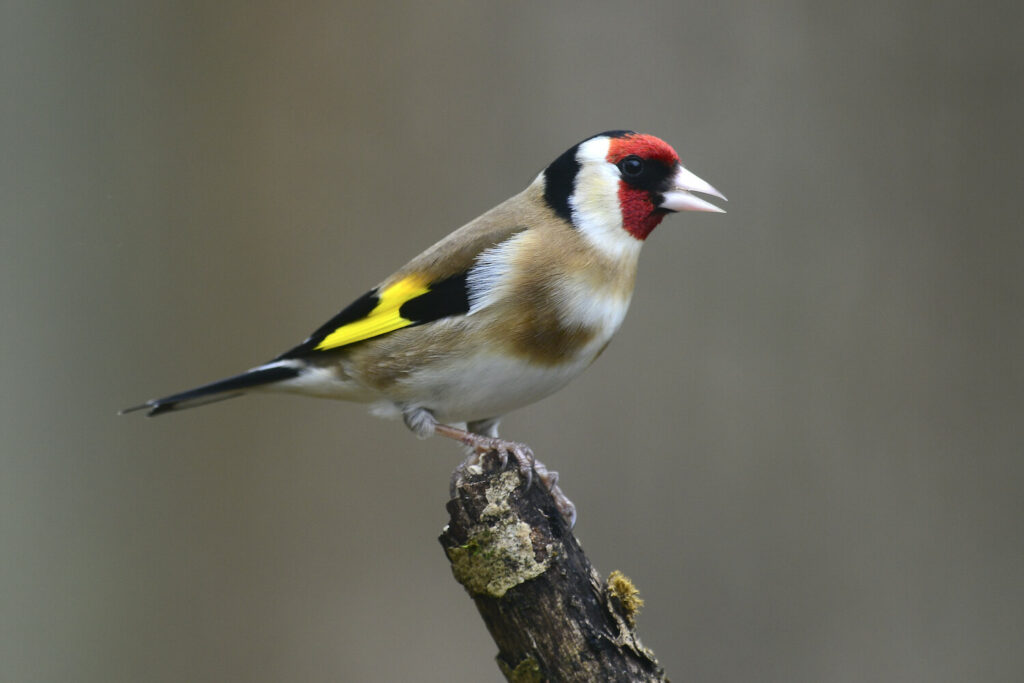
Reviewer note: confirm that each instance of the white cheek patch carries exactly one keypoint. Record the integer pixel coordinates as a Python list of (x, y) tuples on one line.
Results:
[(595, 201)]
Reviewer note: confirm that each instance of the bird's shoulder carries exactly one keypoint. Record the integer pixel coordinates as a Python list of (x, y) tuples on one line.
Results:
[(458, 252), (433, 285)]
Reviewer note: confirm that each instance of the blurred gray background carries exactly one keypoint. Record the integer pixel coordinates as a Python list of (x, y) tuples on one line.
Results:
[(805, 446)]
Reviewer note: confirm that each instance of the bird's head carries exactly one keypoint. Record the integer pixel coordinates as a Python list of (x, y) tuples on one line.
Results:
[(618, 185)]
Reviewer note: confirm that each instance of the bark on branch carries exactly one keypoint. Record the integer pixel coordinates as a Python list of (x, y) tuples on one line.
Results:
[(551, 615)]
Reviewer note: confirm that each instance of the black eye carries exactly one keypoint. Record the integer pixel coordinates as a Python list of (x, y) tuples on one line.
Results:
[(632, 166)]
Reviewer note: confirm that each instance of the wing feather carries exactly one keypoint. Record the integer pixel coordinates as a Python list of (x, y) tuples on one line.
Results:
[(404, 303), (430, 287), (385, 317)]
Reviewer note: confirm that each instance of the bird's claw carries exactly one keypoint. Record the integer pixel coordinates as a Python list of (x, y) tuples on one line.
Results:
[(482, 445), (526, 463)]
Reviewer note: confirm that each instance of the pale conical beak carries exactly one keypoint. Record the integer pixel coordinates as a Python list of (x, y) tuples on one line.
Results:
[(678, 198)]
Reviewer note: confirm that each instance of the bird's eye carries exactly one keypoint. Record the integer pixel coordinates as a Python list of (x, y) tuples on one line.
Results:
[(632, 166)]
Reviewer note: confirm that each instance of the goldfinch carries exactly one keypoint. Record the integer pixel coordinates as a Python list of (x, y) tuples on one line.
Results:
[(500, 313)]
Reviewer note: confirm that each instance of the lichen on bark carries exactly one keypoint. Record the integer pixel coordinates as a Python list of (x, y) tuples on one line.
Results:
[(499, 553)]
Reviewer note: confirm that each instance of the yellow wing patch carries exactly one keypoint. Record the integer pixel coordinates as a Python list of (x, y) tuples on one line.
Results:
[(382, 319)]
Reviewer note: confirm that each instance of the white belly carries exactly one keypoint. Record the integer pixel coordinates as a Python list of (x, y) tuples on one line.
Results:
[(487, 385)]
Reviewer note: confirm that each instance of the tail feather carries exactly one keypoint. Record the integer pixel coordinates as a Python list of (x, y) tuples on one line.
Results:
[(220, 390)]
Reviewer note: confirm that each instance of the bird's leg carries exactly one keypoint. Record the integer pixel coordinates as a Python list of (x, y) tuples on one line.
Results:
[(420, 421), (487, 429), (480, 444), (423, 423), (480, 438)]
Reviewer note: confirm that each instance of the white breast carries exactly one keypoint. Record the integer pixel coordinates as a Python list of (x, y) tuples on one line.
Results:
[(489, 384)]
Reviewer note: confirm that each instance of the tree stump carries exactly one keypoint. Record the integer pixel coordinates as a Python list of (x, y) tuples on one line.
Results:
[(551, 615)]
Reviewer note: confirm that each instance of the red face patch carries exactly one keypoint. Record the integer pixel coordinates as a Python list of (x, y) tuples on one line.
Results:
[(644, 146), (639, 214)]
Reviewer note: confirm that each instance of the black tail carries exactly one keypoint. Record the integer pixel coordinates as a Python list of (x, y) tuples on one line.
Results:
[(218, 391)]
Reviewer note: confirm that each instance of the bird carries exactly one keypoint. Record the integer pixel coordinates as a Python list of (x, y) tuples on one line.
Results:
[(501, 313)]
